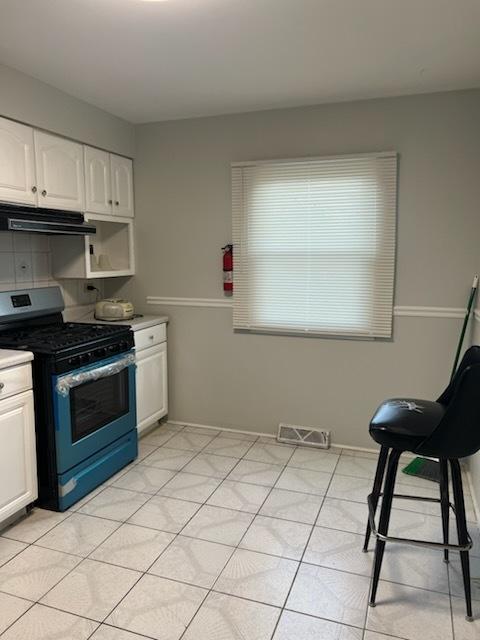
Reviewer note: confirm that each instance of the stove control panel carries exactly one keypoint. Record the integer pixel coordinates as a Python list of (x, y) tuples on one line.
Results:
[(95, 353)]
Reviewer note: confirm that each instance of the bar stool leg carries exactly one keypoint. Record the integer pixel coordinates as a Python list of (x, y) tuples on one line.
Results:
[(384, 521), (462, 532), (445, 504), (377, 488)]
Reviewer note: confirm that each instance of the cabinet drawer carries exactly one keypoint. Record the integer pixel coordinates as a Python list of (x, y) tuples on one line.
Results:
[(149, 337), (15, 380)]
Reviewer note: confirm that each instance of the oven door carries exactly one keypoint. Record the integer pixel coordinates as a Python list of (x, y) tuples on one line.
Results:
[(93, 407)]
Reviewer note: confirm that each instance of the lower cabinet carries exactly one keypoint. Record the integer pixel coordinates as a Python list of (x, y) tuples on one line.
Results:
[(18, 467), (152, 390)]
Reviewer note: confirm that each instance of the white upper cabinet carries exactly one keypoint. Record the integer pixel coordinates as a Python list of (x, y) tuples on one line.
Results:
[(17, 164), (122, 185), (98, 188), (60, 175), (45, 170)]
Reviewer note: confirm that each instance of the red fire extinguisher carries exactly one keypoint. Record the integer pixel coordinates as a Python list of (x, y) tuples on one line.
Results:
[(228, 269)]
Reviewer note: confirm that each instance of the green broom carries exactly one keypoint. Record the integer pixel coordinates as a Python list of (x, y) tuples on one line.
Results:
[(428, 468)]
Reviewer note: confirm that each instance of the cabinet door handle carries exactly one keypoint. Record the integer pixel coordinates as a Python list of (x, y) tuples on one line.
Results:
[(117, 202), (151, 337), (2, 385), (34, 189), (110, 202), (44, 192)]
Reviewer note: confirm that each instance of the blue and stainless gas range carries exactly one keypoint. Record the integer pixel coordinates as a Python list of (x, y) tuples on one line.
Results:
[(84, 391)]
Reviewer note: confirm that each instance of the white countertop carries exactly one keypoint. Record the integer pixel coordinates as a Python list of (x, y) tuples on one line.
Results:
[(11, 357), (142, 322)]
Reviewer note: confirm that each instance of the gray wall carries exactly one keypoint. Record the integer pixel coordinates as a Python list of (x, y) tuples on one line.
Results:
[(183, 218), (29, 100)]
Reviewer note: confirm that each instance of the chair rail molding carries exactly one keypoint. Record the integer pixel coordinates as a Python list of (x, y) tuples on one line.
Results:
[(227, 303)]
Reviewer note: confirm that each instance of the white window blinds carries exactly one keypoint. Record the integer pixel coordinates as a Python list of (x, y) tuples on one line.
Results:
[(314, 244)]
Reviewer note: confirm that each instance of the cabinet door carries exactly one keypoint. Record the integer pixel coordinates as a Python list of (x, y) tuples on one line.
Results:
[(98, 192), (60, 175), (151, 380), (17, 164), (18, 470), (122, 185)]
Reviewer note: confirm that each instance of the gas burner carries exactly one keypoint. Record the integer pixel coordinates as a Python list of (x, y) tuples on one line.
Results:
[(54, 338)]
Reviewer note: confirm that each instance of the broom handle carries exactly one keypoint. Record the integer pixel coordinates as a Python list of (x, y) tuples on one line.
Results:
[(465, 323)]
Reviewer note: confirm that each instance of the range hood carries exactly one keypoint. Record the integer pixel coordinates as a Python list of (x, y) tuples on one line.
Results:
[(38, 220)]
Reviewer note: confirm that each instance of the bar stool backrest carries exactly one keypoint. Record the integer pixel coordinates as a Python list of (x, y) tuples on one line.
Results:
[(458, 433)]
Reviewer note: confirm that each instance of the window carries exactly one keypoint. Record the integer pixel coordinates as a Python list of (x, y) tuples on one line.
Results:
[(314, 245)]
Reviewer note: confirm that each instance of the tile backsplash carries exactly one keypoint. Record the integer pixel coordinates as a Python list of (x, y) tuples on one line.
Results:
[(25, 263)]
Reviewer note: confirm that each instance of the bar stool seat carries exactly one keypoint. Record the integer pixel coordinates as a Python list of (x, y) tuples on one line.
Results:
[(448, 429), (404, 423)]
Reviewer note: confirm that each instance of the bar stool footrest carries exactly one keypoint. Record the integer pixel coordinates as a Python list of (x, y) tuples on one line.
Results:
[(411, 541)]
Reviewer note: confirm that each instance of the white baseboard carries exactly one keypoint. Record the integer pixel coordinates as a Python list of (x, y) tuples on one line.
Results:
[(263, 434)]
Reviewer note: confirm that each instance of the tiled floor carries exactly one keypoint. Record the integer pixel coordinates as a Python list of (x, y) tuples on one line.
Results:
[(212, 535)]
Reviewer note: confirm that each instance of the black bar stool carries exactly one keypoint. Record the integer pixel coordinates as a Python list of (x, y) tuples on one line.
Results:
[(447, 429)]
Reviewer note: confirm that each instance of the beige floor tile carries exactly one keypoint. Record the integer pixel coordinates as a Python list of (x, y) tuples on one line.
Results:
[(34, 525), (373, 455), (114, 504), (165, 514), (464, 629), (343, 515), (170, 459), (92, 589), (34, 571), (413, 614), (277, 537), (314, 460), (144, 450), (105, 632), (456, 577), (373, 635), (133, 547), (158, 437), (226, 446), (239, 495), (79, 534), (190, 486), (208, 464), (333, 595), (197, 562), (238, 435), (270, 453), (256, 473), (158, 608), (299, 626), (304, 480), (258, 577), (215, 524), (338, 550), (144, 479), (291, 505), (9, 549), (11, 608), (204, 431), (223, 617), (43, 623), (190, 441)]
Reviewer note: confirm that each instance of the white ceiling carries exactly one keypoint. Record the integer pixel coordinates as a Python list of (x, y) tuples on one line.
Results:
[(147, 60)]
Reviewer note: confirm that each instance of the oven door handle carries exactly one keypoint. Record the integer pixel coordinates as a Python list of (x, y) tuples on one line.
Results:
[(66, 382)]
